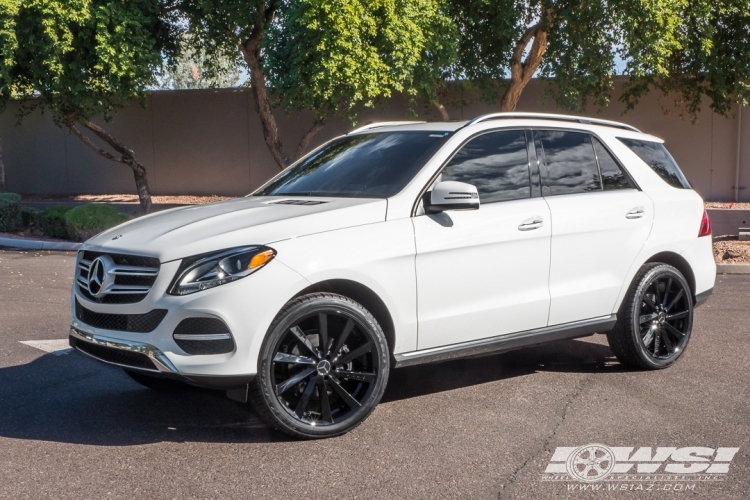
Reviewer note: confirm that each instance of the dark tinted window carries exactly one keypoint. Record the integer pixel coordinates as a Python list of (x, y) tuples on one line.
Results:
[(571, 164), (496, 163), (362, 166), (658, 158), (612, 175)]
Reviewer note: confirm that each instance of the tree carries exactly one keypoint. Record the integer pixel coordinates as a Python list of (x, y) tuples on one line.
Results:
[(328, 56), (83, 59), (692, 49)]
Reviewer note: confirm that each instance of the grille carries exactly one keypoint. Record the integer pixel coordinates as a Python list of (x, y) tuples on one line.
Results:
[(138, 323), (209, 336), (134, 277), (297, 202), (114, 355)]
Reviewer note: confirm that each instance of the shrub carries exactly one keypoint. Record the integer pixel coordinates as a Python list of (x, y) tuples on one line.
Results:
[(30, 217), (10, 212), (53, 223), (88, 220)]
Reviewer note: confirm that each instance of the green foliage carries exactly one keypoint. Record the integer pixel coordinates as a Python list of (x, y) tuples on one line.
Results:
[(30, 217), (690, 50), (82, 58), (10, 212), (53, 224), (86, 221), (333, 55)]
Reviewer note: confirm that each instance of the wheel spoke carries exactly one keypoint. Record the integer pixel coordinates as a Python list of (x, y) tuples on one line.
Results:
[(667, 341), (293, 380), (666, 291), (679, 315), (649, 302), (323, 332), (325, 404), (648, 337), (675, 299), (361, 376), (344, 335), (305, 399), (645, 318), (658, 293), (359, 351), (674, 331), (304, 341), (282, 357), (348, 399)]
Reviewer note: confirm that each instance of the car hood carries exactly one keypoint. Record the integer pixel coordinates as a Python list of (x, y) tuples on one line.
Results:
[(185, 231)]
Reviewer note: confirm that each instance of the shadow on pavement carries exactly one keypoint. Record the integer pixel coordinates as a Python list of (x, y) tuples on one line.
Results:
[(73, 399)]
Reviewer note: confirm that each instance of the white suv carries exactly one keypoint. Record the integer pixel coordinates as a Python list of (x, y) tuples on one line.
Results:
[(397, 244)]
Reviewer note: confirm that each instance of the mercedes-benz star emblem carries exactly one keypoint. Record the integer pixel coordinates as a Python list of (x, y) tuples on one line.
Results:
[(100, 278)]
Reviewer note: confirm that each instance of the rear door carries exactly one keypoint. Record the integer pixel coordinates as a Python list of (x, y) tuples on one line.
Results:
[(482, 273), (600, 221)]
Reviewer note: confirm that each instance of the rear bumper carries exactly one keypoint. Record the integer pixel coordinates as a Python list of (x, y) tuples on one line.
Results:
[(146, 358)]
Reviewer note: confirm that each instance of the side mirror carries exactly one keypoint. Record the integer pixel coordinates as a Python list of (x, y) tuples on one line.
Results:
[(451, 195)]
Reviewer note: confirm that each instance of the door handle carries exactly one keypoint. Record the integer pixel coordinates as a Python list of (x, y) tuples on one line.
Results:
[(531, 223), (636, 213)]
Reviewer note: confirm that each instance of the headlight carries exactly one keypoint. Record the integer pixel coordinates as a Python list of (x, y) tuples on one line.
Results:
[(211, 270)]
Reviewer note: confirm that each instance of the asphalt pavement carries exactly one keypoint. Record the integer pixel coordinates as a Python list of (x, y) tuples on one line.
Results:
[(71, 427)]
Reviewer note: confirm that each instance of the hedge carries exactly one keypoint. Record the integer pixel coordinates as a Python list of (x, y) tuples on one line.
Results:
[(10, 212), (88, 220)]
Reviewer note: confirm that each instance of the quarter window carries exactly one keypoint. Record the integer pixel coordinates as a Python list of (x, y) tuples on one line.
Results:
[(497, 163), (658, 158), (612, 175), (571, 163)]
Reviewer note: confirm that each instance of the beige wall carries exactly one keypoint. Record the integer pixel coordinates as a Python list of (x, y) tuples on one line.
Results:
[(211, 142)]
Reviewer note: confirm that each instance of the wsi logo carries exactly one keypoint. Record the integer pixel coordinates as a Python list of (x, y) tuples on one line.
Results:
[(597, 462)]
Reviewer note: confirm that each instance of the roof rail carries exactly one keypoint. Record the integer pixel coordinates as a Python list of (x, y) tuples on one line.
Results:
[(381, 124), (545, 116)]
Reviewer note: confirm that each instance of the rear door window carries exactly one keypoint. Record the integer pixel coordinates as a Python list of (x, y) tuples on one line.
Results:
[(613, 177), (570, 161), (658, 158), (497, 163)]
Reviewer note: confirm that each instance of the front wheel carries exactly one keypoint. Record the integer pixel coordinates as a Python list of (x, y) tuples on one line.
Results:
[(323, 367), (655, 320)]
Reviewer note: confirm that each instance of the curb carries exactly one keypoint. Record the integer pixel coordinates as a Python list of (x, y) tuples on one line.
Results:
[(732, 268), (25, 244)]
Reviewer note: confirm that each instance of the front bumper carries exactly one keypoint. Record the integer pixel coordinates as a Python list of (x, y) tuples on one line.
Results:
[(247, 307)]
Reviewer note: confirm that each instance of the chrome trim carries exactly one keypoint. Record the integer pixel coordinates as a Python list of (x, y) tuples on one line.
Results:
[(134, 271), (507, 342), (202, 336), (160, 360)]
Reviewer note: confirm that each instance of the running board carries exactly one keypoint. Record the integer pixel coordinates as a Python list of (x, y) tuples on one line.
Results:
[(507, 342)]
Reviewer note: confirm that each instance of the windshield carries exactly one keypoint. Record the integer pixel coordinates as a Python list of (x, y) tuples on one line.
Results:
[(376, 165)]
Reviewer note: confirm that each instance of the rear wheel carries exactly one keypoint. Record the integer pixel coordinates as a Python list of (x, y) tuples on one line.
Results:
[(656, 319), (323, 367)]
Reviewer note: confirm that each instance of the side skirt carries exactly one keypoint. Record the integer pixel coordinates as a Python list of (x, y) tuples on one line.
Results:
[(507, 342)]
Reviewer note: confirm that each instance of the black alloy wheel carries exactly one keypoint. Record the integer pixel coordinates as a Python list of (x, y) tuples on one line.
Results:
[(656, 319), (324, 366)]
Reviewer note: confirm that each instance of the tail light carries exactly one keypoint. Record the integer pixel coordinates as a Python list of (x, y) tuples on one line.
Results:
[(705, 229)]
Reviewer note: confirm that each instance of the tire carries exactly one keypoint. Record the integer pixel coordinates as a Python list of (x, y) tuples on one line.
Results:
[(309, 392), (156, 383), (655, 320)]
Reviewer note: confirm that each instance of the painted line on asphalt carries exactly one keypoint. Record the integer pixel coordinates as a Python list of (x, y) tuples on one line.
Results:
[(57, 347)]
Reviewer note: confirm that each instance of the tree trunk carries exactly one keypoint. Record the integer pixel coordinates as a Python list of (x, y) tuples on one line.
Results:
[(3, 186), (305, 142), (522, 70), (251, 54), (443, 112), (123, 155)]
